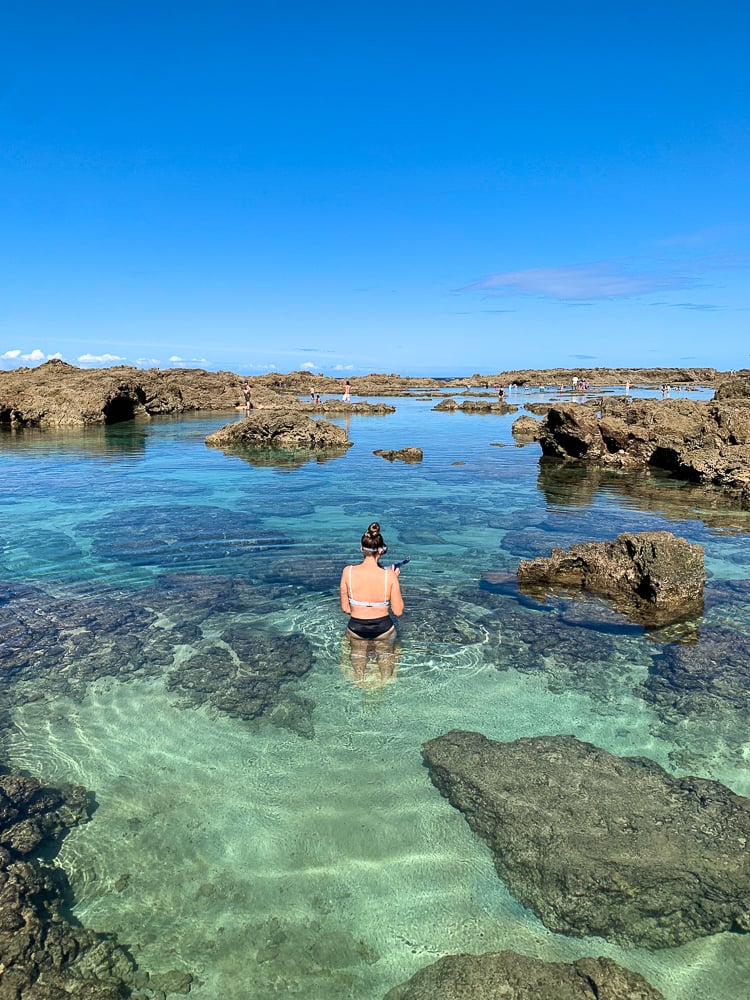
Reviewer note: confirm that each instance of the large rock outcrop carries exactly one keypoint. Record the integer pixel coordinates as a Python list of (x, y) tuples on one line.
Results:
[(57, 394), (281, 431), (510, 976), (704, 442), (653, 576), (600, 844), (735, 387)]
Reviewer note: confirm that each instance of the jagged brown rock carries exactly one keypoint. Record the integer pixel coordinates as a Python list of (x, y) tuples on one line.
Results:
[(476, 406), (362, 408), (57, 394), (653, 576), (510, 976), (600, 844), (526, 428), (409, 455), (703, 442), (284, 430), (552, 377)]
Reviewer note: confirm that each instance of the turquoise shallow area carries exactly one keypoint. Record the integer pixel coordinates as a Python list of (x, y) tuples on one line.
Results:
[(304, 851)]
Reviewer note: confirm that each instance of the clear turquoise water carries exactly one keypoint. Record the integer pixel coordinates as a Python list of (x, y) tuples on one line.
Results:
[(305, 852)]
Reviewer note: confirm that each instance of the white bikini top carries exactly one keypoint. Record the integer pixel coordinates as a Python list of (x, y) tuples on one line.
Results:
[(370, 604)]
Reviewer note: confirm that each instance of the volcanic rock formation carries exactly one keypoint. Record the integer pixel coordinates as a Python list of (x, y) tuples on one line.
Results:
[(704, 442), (599, 844), (410, 455), (652, 577), (284, 431), (512, 976), (41, 954)]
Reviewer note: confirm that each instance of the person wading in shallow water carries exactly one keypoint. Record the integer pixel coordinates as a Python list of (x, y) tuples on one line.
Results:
[(368, 592)]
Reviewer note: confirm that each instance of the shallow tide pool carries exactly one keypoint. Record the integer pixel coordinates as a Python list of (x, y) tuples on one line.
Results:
[(302, 850)]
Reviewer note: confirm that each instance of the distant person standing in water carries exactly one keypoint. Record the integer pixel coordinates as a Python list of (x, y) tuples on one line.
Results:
[(347, 398), (368, 591)]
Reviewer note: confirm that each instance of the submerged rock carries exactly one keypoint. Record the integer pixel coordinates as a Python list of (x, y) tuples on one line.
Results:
[(510, 976), (706, 680), (652, 577), (242, 676), (600, 844), (41, 954)]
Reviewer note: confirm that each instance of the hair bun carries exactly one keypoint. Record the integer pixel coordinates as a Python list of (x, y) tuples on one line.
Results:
[(374, 529)]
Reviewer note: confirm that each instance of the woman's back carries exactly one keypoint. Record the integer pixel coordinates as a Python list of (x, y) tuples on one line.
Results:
[(371, 589)]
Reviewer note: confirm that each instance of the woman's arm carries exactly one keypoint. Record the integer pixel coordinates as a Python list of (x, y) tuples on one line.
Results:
[(397, 601), (344, 594)]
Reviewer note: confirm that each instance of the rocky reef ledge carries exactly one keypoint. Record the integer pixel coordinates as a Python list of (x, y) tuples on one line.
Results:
[(600, 844), (42, 955), (510, 976)]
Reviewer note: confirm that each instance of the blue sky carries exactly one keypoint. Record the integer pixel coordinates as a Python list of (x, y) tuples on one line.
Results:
[(423, 188)]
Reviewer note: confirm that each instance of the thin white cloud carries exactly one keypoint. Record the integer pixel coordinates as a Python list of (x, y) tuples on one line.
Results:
[(176, 358), (35, 355), (604, 280), (54, 357), (99, 359), (309, 366), (11, 354), (343, 368)]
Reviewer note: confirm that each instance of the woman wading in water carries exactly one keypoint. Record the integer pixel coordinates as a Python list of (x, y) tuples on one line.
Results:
[(368, 592)]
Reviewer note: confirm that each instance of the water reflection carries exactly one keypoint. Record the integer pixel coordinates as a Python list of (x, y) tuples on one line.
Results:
[(575, 484), (110, 440)]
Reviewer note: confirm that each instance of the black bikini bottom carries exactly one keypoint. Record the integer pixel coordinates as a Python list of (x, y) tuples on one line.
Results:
[(370, 628)]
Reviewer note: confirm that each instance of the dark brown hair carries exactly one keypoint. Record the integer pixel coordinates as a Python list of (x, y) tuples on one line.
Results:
[(372, 539)]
